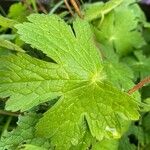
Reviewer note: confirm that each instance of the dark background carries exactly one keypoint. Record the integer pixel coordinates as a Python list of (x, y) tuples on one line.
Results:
[(5, 4)]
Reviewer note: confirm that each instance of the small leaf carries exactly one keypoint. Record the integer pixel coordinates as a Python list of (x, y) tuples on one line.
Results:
[(99, 9), (24, 133), (18, 11), (139, 64), (121, 30), (146, 105), (7, 23), (9, 45)]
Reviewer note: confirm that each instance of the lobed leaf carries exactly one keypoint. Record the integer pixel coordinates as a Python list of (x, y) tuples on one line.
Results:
[(78, 79), (121, 28)]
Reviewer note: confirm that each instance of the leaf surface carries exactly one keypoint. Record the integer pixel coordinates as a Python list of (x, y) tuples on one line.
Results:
[(24, 133), (121, 30), (99, 9), (78, 78)]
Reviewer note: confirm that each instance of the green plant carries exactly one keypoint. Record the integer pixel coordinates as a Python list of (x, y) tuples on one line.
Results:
[(71, 85)]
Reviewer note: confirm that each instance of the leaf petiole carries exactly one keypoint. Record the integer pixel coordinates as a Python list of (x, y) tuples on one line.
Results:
[(139, 85)]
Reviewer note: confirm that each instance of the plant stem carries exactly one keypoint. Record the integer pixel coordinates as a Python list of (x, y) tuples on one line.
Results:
[(34, 5), (42, 8), (56, 7), (2, 11), (76, 7), (68, 7), (6, 125), (139, 85), (15, 114)]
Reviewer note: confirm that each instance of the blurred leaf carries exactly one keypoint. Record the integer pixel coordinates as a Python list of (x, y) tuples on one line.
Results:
[(8, 36), (98, 10), (24, 133), (140, 64), (9, 45), (18, 12), (30, 147), (92, 11), (7, 23), (121, 29), (90, 142), (132, 138), (146, 122), (146, 127), (146, 105)]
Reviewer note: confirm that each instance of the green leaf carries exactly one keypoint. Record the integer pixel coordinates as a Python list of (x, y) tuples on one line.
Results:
[(7, 23), (139, 64), (4, 51), (18, 12), (119, 73), (106, 145), (146, 122), (126, 145), (131, 137), (121, 76), (30, 147), (78, 78), (8, 36), (9, 45), (91, 143), (86, 142), (98, 10), (92, 11), (146, 128), (24, 133), (120, 29), (29, 81), (146, 105)]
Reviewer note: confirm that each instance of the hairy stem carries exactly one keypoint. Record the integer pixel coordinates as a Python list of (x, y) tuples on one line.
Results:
[(139, 85), (4, 112), (42, 8), (68, 7), (76, 7), (56, 6)]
